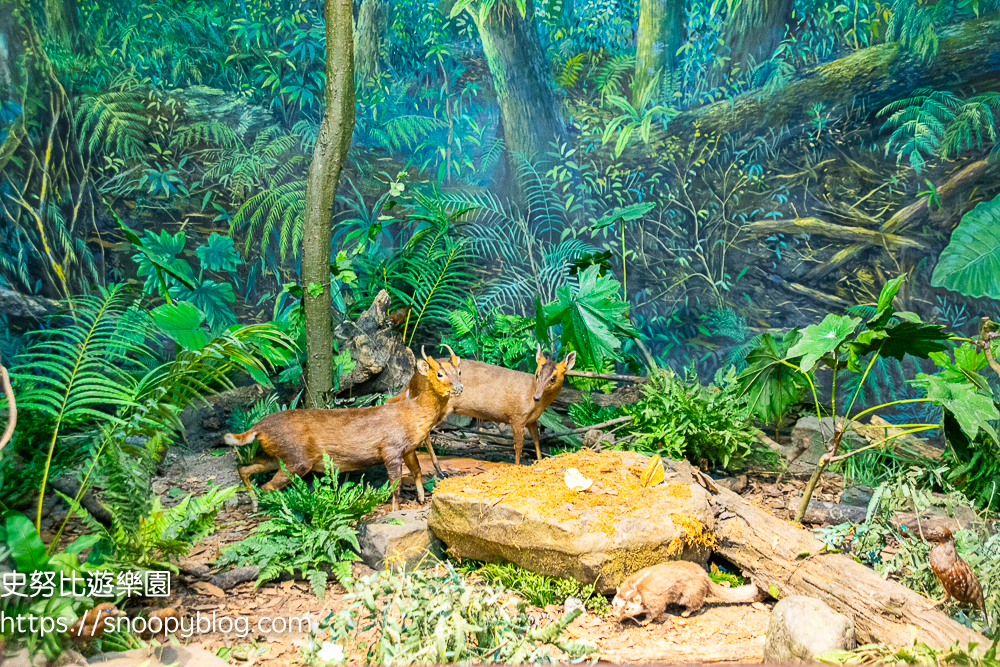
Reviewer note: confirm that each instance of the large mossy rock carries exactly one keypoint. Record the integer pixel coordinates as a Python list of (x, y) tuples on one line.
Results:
[(528, 516)]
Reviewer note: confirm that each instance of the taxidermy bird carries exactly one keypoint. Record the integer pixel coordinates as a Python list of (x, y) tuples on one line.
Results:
[(955, 575), (91, 624)]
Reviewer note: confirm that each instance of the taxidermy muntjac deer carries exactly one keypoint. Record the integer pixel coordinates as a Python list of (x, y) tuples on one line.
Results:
[(354, 438), (500, 395)]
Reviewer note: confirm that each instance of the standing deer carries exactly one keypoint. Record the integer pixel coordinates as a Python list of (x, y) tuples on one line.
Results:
[(354, 438), (504, 396)]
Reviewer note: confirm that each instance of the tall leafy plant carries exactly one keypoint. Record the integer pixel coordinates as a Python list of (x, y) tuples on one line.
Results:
[(838, 343)]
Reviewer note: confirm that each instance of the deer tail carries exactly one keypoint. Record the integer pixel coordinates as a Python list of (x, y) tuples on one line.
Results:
[(237, 439)]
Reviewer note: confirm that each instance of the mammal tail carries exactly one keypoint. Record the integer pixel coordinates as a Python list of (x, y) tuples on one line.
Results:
[(236, 439), (748, 593)]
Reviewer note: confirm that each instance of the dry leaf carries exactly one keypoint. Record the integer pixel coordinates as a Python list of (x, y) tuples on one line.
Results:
[(577, 481), (759, 605), (206, 588)]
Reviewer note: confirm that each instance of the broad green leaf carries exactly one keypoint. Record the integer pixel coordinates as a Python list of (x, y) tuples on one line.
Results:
[(158, 251), (218, 254), (182, 321), (591, 317), (541, 328), (82, 542), (211, 298), (770, 385), (918, 340), (973, 411), (26, 547), (627, 213), (970, 264), (819, 340), (884, 309)]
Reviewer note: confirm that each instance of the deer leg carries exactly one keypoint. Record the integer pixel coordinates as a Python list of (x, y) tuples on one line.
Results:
[(434, 458), (517, 428), (533, 430), (259, 464), (394, 467), (413, 463)]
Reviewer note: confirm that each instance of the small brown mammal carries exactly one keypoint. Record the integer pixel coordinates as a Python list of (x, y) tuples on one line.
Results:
[(92, 624), (159, 622), (354, 438), (677, 582), (504, 396), (955, 575)]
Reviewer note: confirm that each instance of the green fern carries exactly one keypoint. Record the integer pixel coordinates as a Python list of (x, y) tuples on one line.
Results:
[(934, 122), (115, 121), (611, 75), (912, 24), (273, 216), (569, 71), (309, 529)]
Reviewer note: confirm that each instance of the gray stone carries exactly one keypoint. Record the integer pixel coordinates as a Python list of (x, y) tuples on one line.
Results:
[(572, 603), (23, 659), (176, 656), (859, 496), (405, 546), (803, 627), (737, 484), (69, 658), (205, 422), (810, 439), (601, 543)]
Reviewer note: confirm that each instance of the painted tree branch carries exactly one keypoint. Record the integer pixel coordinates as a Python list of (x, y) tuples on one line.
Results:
[(909, 216), (817, 227)]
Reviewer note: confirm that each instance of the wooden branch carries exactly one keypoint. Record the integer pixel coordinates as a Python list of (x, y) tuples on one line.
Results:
[(636, 379), (822, 297), (11, 407), (584, 429), (776, 553), (906, 444), (817, 227)]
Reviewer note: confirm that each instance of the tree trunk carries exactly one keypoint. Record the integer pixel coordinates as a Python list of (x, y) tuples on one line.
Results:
[(371, 45), (531, 115), (321, 187), (754, 31), (12, 40), (661, 33), (968, 58), (63, 22), (775, 553)]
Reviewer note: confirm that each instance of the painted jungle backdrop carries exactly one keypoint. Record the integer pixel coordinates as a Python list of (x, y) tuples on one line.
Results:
[(770, 210)]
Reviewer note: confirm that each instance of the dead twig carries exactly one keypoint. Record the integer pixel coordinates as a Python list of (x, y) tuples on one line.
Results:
[(11, 407)]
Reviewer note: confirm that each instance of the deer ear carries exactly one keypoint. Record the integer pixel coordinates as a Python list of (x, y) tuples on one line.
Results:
[(569, 360), (422, 367), (540, 356), (638, 599)]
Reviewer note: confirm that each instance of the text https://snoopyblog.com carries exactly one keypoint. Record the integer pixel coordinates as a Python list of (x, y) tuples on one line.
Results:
[(185, 626)]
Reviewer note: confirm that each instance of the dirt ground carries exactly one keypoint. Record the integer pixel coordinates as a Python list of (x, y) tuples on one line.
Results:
[(718, 634)]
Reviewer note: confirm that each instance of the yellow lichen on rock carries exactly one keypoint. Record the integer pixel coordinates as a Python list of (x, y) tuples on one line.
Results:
[(616, 493)]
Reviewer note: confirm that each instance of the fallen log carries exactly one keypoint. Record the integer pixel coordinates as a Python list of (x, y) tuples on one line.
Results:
[(830, 230), (820, 512), (777, 554), (968, 57), (909, 216)]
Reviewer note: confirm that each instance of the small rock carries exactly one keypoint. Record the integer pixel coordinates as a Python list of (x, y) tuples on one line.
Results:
[(572, 603), (859, 496), (232, 502), (407, 546), (736, 484), (803, 627), (810, 438), (177, 656), (23, 659), (160, 487), (69, 658)]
